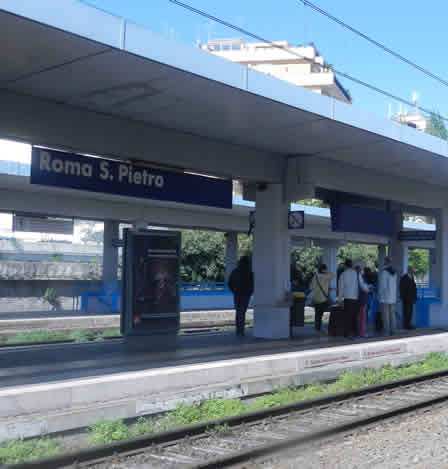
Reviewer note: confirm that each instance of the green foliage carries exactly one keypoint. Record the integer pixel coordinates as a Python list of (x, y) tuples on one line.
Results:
[(219, 430), (419, 260), (436, 126), (36, 336), (143, 426), (51, 297), (43, 335), (203, 256), (18, 451), (313, 203), (106, 432), (80, 335), (245, 244), (362, 252), (113, 332), (304, 262), (211, 409)]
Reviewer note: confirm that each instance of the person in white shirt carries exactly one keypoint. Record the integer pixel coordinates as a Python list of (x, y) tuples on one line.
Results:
[(348, 293), (387, 295), (320, 287)]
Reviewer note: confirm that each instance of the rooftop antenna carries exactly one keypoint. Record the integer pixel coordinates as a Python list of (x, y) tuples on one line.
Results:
[(415, 97)]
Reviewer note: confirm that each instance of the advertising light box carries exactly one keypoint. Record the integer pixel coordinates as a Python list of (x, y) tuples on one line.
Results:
[(150, 284)]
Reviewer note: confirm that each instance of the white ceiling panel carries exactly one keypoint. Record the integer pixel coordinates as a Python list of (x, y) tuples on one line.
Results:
[(29, 47)]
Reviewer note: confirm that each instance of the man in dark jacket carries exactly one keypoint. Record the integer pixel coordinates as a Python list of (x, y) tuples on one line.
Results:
[(241, 284), (408, 294)]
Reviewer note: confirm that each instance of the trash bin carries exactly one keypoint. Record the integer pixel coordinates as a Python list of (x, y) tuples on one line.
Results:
[(297, 312)]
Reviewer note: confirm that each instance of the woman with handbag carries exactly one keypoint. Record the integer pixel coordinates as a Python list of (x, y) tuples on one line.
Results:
[(320, 286)]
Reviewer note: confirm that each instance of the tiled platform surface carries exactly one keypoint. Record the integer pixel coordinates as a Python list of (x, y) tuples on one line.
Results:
[(51, 388)]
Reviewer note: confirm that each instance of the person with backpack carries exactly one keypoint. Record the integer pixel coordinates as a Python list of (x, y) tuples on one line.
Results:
[(241, 284), (320, 287), (387, 295)]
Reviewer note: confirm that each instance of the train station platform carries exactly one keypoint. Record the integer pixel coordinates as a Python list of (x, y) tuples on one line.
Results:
[(44, 389)]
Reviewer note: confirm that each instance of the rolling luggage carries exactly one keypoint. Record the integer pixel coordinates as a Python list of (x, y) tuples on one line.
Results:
[(336, 322)]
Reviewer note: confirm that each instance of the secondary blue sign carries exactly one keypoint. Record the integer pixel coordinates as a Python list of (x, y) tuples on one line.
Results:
[(348, 218), (417, 235), (68, 170)]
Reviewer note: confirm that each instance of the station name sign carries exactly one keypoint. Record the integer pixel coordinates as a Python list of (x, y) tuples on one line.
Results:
[(73, 171)]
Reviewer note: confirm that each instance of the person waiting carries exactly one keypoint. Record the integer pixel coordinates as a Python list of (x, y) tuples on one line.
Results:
[(320, 287), (387, 295), (348, 294), (408, 295), (363, 298), (241, 284)]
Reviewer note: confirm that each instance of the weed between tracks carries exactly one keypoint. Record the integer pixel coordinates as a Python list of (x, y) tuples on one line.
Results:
[(110, 431), (78, 335)]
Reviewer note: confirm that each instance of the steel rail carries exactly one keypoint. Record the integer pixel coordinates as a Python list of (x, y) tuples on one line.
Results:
[(86, 457)]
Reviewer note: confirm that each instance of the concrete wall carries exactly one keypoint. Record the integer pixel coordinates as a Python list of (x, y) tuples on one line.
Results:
[(19, 271)]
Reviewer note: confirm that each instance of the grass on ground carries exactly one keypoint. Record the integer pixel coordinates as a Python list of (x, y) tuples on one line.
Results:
[(110, 431), (42, 335)]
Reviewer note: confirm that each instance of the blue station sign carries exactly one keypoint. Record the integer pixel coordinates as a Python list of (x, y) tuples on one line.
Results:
[(417, 235), (68, 170)]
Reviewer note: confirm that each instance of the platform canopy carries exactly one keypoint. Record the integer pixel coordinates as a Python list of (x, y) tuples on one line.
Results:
[(74, 77)]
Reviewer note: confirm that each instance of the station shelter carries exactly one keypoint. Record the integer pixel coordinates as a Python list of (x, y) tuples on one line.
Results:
[(130, 127)]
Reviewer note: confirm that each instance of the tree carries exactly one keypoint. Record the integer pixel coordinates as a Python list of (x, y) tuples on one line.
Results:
[(313, 203), (359, 252), (419, 260), (304, 262), (436, 126), (203, 256)]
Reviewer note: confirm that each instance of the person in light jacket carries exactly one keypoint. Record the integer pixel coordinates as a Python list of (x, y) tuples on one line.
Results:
[(348, 293), (320, 293), (387, 295)]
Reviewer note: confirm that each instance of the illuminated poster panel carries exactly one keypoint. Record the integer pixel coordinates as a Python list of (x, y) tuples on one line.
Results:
[(150, 296)]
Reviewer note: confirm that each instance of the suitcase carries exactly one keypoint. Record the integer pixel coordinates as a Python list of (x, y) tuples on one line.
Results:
[(337, 321)]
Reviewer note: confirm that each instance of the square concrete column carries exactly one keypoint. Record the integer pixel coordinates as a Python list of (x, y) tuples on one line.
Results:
[(330, 258), (271, 262), (396, 248), (231, 252), (110, 253), (381, 256), (439, 313)]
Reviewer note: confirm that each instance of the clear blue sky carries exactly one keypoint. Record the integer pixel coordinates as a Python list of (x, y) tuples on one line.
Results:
[(416, 30)]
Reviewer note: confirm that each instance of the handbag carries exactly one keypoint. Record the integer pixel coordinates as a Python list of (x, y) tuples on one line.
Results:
[(322, 290)]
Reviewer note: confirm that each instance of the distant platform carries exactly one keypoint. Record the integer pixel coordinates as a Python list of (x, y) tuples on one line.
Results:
[(52, 388)]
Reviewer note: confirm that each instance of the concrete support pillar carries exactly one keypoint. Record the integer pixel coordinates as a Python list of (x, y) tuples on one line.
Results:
[(405, 259), (330, 258), (110, 253), (231, 252), (396, 248), (439, 313), (271, 262), (381, 256)]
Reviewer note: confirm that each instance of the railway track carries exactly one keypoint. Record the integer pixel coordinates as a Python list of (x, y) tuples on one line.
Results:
[(235, 440)]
